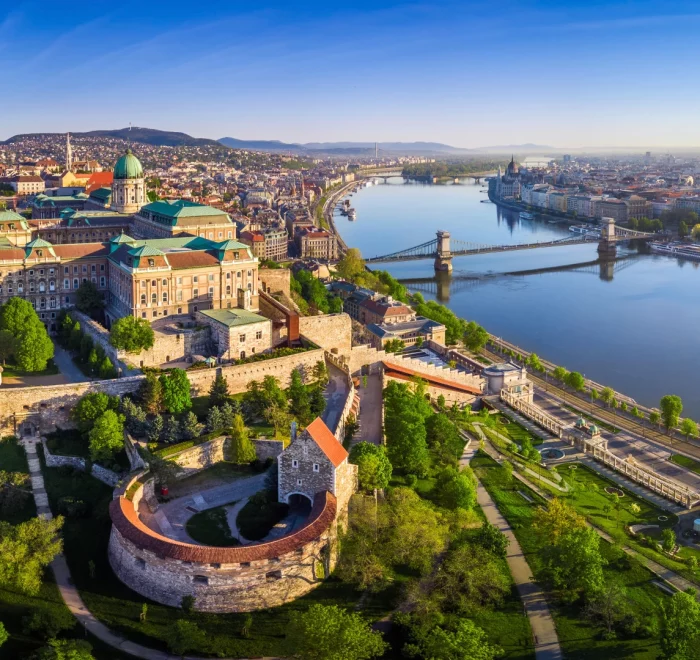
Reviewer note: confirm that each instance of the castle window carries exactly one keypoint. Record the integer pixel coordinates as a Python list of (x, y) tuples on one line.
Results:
[(245, 564), (143, 298), (273, 575), (154, 283), (258, 334), (201, 579), (141, 563), (211, 277), (236, 255), (179, 309), (151, 262), (295, 463), (298, 482), (228, 275), (165, 282), (195, 292), (316, 467), (215, 565)]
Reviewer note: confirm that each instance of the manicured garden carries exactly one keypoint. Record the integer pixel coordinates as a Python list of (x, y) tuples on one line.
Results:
[(686, 462), (579, 636)]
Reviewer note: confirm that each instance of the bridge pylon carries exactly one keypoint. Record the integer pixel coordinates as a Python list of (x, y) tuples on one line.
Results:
[(607, 246), (443, 259)]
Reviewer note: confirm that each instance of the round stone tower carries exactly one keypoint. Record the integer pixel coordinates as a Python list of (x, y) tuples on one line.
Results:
[(129, 186)]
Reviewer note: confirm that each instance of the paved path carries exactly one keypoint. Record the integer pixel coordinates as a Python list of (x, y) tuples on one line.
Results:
[(70, 593), (336, 393), (534, 601), (67, 367), (370, 411)]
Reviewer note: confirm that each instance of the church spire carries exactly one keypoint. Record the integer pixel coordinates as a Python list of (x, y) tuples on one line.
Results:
[(69, 154)]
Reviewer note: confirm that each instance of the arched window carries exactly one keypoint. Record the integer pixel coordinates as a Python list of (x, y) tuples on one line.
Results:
[(143, 298), (154, 283), (154, 298), (165, 297)]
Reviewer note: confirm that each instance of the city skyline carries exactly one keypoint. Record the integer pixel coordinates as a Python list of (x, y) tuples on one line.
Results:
[(464, 74)]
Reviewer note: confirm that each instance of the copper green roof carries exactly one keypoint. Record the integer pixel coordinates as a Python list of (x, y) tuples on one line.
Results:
[(128, 167), (167, 212), (39, 243), (122, 238), (233, 317), (145, 251), (12, 216), (102, 194)]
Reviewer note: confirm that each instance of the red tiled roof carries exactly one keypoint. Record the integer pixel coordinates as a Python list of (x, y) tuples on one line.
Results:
[(99, 180), (126, 520), (194, 259), (322, 436), (74, 250), (403, 373), (385, 309)]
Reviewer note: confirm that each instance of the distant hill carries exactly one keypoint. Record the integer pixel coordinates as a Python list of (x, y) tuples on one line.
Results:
[(261, 145), (348, 148), (150, 136)]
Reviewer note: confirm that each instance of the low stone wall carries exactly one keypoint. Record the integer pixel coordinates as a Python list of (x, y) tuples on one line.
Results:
[(135, 460), (103, 474), (266, 448)]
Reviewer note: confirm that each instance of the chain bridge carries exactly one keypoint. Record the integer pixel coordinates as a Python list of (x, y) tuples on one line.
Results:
[(443, 248)]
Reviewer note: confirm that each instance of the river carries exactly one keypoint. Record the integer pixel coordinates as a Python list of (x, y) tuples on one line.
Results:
[(635, 328)]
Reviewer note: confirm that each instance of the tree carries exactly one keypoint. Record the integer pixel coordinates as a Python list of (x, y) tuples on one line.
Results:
[(242, 450), (688, 428), (131, 334), (317, 402), (475, 337), (299, 398), (106, 436), (328, 632), (351, 266), (492, 539), (466, 642), (680, 631), (107, 369), (32, 348), (575, 381), (280, 419), (86, 346), (189, 426), (25, 551), (186, 636), (320, 373), (560, 373), (696, 232), (151, 393), (171, 430), (90, 407), (668, 539), (404, 428), (607, 395), (654, 417), (394, 346), (682, 229), (88, 298), (218, 393), (214, 419), (227, 415), (65, 649), (444, 439), (373, 466), (608, 606), (176, 391), (4, 636), (76, 337), (456, 489), (164, 470), (671, 408), (8, 344), (533, 361)]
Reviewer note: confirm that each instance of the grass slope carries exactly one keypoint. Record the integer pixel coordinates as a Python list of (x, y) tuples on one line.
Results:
[(210, 527)]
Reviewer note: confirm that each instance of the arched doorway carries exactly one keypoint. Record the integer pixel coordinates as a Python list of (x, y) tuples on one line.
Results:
[(28, 428), (299, 503)]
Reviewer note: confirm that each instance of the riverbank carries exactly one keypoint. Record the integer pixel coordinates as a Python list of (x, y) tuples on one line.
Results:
[(564, 219)]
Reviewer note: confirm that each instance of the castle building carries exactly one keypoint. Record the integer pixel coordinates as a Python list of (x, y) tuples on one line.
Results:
[(507, 186), (129, 185)]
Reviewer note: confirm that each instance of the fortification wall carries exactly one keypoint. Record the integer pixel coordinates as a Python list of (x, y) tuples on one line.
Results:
[(98, 334), (275, 280), (103, 474), (330, 331), (365, 355)]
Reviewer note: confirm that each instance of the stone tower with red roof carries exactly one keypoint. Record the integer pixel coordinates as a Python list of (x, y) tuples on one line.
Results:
[(315, 462)]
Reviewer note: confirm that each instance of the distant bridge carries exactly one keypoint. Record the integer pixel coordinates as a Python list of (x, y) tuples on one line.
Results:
[(441, 248)]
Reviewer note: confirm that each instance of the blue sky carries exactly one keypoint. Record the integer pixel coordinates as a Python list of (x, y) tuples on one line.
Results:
[(469, 74)]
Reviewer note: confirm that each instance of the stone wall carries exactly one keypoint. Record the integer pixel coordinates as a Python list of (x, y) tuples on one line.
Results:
[(98, 333), (365, 356), (304, 469), (274, 280), (135, 460), (266, 448), (330, 331), (462, 399), (103, 474)]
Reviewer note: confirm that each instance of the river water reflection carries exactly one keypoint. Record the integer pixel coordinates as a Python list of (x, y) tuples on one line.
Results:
[(634, 325)]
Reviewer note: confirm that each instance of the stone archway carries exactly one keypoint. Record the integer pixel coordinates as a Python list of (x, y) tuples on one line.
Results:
[(299, 503), (28, 428)]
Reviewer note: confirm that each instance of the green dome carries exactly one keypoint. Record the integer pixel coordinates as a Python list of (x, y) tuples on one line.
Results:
[(128, 167)]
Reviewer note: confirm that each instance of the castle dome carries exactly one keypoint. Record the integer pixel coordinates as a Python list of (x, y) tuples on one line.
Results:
[(128, 167)]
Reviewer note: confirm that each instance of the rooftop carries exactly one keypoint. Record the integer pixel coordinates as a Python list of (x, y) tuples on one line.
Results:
[(233, 317)]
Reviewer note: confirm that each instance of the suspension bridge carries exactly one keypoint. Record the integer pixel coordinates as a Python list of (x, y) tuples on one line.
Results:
[(443, 248)]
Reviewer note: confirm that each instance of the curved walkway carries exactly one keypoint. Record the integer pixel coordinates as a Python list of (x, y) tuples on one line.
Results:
[(69, 592), (541, 622)]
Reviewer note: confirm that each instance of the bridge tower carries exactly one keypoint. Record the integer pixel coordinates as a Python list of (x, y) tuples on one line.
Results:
[(607, 246), (443, 259)]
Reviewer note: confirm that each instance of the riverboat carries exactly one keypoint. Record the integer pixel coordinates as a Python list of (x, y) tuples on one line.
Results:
[(352, 214), (584, 229), (524, 215), (680, 250)]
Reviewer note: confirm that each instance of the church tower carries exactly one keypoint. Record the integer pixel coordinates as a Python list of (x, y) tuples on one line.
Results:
[(129, 185), (69, 154)]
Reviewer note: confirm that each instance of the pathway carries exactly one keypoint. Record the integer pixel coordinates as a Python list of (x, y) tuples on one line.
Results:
[(69, 591), (370, 411), (336, 393), (534, 601)]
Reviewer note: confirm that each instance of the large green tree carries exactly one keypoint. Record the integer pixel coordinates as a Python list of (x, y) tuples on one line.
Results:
[(242, 449), (65, 649), (456, 488), (444, 439), (466, 642), (671, 408), (404, 428), (328, 632), (32, 348), (373, 466), (151, 393), (176, 391), (88, 298), (218, 392), (25, 551), (299, 404), (475, 337), (131, 334), (186, 636), (680, 634), (106, 436), (90, 407)]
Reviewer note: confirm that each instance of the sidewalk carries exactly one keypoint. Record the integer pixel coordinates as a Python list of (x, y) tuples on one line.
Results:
[(541, 622)]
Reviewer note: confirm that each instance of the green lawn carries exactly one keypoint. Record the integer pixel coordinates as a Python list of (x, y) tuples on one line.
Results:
[(261, 513), (579, 639), (70, 442), (12, 456), (686, 462), (210, 527), (12, 371), (589, 498), (516, 432)]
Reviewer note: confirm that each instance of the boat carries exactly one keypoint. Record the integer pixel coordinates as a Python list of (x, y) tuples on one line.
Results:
[(524, 215), (583, 229), (680, 250), (352, 214)]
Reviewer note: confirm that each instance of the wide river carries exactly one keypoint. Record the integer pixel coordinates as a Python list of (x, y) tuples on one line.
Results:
[(635, 327)]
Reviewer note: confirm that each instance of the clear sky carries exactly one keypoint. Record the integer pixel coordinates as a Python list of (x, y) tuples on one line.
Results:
[(566, 74)]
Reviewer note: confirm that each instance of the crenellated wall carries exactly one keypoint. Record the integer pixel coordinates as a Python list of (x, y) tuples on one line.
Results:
[(331, 331)]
